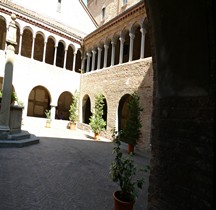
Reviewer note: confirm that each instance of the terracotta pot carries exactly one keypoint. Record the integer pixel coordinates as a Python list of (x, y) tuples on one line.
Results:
[(122, 205), (96, 136), (130, 148), (72, 126)]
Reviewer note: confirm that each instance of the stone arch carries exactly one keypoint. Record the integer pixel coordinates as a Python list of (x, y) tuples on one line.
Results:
[(50, 50), (2, 32), (60, 54), (78, 61), (38, 101), (123, 113), (86, 109), (39, 46), (64, 102), (27, 40), (69, 57)]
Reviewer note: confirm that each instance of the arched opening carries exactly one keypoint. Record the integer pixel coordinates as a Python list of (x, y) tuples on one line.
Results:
[(105, 111), (17, 40), (123, 113), (39, 47), (50, 51), (78, 61), (64, 102), (2, 33), (137, 44), (86, 109), (38, 101), (69, 58), (27, 39), (126, 49), (60, 55)]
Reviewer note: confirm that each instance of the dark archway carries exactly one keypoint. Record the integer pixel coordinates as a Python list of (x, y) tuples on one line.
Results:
[(105, 111), (86, 109), (38, 101), (64, 102), (123, 111)]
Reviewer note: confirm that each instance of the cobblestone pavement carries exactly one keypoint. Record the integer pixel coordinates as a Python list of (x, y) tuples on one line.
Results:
[(61, 173)]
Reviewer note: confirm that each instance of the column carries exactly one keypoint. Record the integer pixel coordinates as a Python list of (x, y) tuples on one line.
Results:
[(88, 62), (55, 55), (142, 51), (8, 77), (65, 57), (132, 36), (113, 53), (44, 55), (106, 47), (93, 60), (20, 44), (99, 58), (74, 60), (33, 44), (53, 112), (122, 40), (83, 63)]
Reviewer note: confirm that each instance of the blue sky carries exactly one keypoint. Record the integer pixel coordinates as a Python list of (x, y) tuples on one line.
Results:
[(85, 1)]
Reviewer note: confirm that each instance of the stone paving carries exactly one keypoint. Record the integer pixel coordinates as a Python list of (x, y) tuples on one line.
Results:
[(67, 170)]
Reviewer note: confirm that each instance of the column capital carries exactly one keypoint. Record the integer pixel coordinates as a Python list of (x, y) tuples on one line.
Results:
[(122, 39), (99, 49), (132, 36)]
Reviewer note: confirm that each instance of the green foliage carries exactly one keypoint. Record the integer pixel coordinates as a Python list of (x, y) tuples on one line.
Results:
[(13, 96), (73, 117), (123, 171), (97, 122), (48, 114), (131, 132)]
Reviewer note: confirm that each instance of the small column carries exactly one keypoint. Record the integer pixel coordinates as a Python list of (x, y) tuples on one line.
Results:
[(93, 60), (8, 76), (33, 45), (132, 36), (83, 63), (74, 61), (142, 51), (106, 47), (88, 62), (20, 44), (113, 53), (55, 55), (99, 58), (65, 56), (53, 112), (122, 40), (44, 55)]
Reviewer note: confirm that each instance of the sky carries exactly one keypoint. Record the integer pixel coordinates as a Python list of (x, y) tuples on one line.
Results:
[(85, 1)]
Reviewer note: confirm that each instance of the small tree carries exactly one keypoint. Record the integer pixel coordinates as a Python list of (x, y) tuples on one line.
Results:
[(97, 122), (73, 117), (131, 131)]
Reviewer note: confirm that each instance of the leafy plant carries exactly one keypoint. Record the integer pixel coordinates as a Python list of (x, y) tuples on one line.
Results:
[(131, 131), (73, 117), (48, 114), (97, 122), (123, 171)]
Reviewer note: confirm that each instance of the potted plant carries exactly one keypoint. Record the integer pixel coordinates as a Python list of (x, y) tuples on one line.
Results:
[(73, 111), (124, 172), (131, 132), (97, 123), (48, 118)]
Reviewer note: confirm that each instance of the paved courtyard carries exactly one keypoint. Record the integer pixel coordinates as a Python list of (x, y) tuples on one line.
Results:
[(67, 170)]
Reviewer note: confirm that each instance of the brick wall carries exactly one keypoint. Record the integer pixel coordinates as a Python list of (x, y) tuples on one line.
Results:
[(115, 82)]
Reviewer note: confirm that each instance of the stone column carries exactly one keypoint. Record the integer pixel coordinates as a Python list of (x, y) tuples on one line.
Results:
[(53, 112), (132, 36), (88, 62), (83, 63), (65, 57), (20, 44), (33, 44), (122, 40), (142, 51), (106, 47), (99, 58), (93, 60), (74, 61), (44, 55), (55, 55), (8, 76), (113, 53)]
